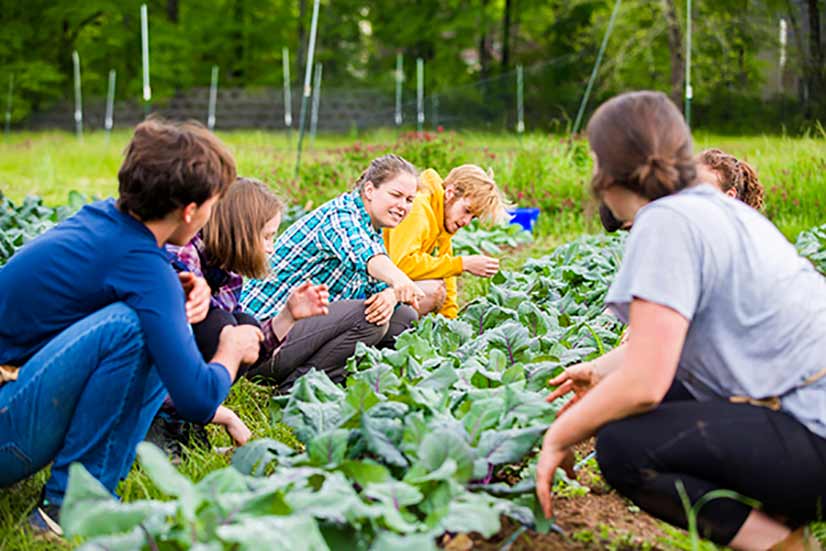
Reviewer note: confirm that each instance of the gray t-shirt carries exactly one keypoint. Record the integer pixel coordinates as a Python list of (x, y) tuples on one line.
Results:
[(757, 310)]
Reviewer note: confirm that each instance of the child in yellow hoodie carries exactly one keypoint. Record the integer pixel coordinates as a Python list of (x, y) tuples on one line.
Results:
[(421, 244)]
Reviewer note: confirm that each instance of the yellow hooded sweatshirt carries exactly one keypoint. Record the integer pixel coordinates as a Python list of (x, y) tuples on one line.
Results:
[(420, 246)]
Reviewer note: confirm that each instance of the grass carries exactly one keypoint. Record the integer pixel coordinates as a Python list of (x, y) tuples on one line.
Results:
[(536, 170)]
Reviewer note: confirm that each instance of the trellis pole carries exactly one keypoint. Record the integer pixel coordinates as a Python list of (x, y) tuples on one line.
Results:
[(593, 77), (399, 82), (316, 101), (308, 73), (147, 90), (78, 98), (213, 97), (420, 94), (109, 119)]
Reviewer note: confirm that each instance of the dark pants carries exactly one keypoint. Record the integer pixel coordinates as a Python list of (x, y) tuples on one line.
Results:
[(761, 454), (208, 332), (325, 343)]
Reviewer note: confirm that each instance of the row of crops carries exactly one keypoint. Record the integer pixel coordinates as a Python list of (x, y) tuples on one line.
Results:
[(437, 435), (432, 437)]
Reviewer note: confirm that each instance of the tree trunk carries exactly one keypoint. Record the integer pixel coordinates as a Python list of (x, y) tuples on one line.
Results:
[(484, 44), (506, 35), (238, 39), (675, 46), (172, 11), (816, 65)]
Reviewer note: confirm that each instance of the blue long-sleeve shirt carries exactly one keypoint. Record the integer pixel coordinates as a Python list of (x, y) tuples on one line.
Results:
[(95, 258)]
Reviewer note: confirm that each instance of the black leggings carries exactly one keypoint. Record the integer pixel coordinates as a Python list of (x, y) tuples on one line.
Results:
[(765, 455), (208, 332)]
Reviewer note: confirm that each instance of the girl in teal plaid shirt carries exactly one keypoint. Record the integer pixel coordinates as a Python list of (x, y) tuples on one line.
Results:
[(340, 245)]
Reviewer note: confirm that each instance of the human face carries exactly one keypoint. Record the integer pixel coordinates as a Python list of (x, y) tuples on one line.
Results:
[(268, 234), (457, 211), (190, 219), (389, 203)]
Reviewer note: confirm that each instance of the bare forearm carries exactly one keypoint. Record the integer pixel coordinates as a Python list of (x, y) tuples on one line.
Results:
[(282, 323), (231, 360), (615, 397), (610, 361), (383, 269)]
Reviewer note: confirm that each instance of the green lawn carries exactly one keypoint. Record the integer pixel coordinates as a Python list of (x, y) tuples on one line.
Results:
[(536, 170)]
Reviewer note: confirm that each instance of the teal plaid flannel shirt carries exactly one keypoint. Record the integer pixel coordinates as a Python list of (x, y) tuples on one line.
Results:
[(330, 245)]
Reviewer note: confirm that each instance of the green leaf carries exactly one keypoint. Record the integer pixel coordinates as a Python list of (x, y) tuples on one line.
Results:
[(388, 541), (441, 445), (497, 447), (90, 510), (335, 501), (167, 478), (329, 448), (254, 458), (382, 435), (292, 532), (365, 472), (472, 512)]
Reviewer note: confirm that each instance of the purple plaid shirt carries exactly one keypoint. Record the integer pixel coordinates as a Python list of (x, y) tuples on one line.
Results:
[(226, 286)]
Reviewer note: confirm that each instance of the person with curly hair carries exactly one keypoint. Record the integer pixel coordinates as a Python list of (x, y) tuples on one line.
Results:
[(734, 177)]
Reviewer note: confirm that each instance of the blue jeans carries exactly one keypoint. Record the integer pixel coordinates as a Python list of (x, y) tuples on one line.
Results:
[(88, 396)]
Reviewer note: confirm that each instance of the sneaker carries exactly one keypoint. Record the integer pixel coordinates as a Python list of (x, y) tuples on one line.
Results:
[(172, 434), (44, 520)]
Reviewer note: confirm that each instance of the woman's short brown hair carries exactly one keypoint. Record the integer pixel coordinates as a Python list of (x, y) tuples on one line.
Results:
[(169, 165), (736, 174), (643, 144), (232, 237)]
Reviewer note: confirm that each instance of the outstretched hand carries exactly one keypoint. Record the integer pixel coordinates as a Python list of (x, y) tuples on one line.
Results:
[(550, 458), (308, 300), (578, 379)]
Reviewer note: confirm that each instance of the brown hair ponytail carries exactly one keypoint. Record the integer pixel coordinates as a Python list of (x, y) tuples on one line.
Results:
[(641, 143)]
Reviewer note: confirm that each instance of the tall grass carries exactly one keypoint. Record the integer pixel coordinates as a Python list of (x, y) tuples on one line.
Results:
[(537, 170)]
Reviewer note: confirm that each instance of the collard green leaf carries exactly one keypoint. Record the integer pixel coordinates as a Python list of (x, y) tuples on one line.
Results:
[(388, 541), (291, 532), (89, 510), (255, 457), (329, 448)]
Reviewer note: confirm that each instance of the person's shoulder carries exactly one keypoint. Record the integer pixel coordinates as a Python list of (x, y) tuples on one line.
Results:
[(429, 177)]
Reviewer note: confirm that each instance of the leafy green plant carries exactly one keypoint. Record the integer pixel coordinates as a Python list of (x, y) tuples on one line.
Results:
[(812, 245), (476, 239), (21, 224)]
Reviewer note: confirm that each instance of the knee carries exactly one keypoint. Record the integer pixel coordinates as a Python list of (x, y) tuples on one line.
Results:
[(404, 316), (440, 296), (124, 322), (620, 464)]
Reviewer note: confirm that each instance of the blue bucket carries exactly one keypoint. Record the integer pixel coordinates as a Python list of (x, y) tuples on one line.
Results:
[(525, 217)]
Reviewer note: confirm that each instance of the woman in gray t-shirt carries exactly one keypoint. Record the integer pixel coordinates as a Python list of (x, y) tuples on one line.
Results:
[(723, 385)]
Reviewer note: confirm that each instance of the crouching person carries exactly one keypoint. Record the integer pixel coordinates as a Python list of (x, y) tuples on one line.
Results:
[(339, 245), (97, 329), (421, 244)]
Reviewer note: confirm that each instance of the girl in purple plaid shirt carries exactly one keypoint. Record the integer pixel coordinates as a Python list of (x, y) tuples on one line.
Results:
[(235, 243)]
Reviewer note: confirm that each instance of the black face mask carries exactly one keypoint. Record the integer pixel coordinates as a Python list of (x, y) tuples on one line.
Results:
[(609, 222)]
